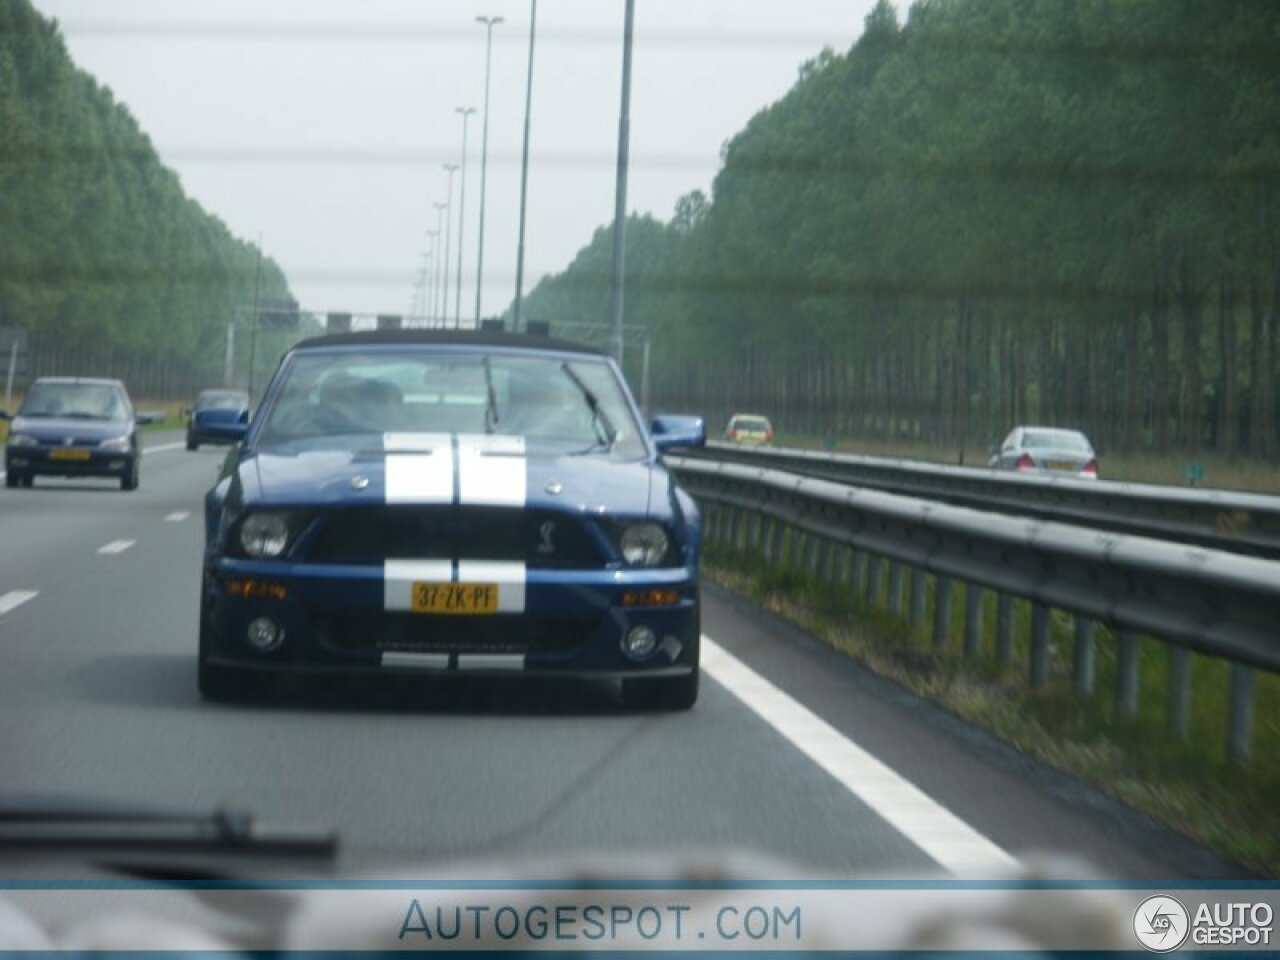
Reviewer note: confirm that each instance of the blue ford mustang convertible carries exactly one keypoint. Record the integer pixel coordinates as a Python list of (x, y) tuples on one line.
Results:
[(452, 503)]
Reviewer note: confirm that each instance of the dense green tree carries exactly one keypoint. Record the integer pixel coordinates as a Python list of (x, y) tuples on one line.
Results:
[(106, 262), (994, 211)]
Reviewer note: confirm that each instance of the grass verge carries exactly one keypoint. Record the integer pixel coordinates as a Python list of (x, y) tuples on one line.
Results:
[(1187, 784)]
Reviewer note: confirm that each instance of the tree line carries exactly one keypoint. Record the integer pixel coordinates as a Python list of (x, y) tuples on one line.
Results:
[(991, 212), (104, 260)]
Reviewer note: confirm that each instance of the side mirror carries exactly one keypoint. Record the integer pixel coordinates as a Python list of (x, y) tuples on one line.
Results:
[(670, 432)]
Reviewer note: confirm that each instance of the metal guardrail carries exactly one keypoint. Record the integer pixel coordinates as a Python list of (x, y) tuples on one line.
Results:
[(1226, 520), (1213, 602)]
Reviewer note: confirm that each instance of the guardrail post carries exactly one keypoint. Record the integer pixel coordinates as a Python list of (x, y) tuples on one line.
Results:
[(810, 556), (1084, 658), (895, 587), (875, 576), (792, 546), (973, 598), (1004, 628), (825, 549), (1039, 645), (919, 596), (1240, 710), (1126, 674), (941, 612), (717, 520), (856, 563), (1180, 692), (777, 535), (729, 524)]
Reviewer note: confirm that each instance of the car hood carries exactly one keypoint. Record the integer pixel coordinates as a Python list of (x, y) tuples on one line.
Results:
[(219, 415), (585, 484), (58, 429)]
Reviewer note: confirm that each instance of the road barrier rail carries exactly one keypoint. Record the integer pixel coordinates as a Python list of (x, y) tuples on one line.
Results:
[(1227, 520), (1192, 599)]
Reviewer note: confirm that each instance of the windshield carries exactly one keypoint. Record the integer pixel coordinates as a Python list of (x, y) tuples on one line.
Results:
[(556, 405), (1064, 440), (81, 401), (222, 400)]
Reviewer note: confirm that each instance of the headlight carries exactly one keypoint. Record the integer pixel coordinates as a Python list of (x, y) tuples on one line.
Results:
[(22, 440), (644, 544), (265, 534), (114, 443)]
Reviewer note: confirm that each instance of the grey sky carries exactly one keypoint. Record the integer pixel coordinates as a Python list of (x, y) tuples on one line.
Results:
[(322, 125)]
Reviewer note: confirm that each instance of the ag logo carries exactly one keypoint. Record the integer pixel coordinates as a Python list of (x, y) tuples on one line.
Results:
[(547, 545), (1161, 924)]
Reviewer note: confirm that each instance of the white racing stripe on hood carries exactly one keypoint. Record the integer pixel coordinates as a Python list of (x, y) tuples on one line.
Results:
[(399, 576), (419, 467), (510, 578), (492, 471)]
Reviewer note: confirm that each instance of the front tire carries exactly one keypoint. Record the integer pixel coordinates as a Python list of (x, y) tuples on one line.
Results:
[(130, 480), (191, 443), (12, 480)]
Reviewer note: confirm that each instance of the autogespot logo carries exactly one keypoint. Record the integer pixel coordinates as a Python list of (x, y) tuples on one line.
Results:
[(1161, 924)]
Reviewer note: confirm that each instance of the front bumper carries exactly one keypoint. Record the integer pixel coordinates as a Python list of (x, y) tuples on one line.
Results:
[(338, 619), (33, 461)]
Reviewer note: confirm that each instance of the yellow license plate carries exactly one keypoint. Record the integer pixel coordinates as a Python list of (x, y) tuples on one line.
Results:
[(460, 599), (1063, 465), (62, 453)]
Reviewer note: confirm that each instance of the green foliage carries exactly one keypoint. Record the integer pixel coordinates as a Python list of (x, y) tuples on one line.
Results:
[(997, 211), (101, 252)]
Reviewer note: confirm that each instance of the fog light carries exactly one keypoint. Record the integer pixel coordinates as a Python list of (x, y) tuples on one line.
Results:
[(639, 642), (264, 635)]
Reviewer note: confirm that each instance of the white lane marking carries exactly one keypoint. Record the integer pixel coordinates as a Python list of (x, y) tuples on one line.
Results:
[(415, 661), (178, 516), (16, 598), (162, 447), (492, 470), (510, 578), (942, 835), (399, 576), (116, 546)]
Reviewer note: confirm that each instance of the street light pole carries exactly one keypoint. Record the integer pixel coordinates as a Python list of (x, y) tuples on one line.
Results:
[(452, 168), (436, 299), (524, 167), (434, 237), (465, 113), (489, 24), (620, 198)]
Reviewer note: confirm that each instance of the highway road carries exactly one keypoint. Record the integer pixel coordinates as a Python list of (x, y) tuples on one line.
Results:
[(792, 750)]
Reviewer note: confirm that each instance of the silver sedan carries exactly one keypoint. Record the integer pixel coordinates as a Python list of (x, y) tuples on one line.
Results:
[(1047, 450)]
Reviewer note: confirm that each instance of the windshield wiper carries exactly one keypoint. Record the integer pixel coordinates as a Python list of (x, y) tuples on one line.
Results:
[(491, 411), (99, 831), (598, 417)]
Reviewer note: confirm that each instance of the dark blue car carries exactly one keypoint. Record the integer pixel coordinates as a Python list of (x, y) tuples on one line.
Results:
[(74, 427), (433, 503), (218, 416)]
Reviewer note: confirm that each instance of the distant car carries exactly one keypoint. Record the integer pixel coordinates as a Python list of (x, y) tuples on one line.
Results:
[(1047, 450), (217, 416), (440, 503), (749, 429), (73, 427)]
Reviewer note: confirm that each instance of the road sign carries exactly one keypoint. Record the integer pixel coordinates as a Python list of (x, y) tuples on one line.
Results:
[(338, 323), (390, 321)]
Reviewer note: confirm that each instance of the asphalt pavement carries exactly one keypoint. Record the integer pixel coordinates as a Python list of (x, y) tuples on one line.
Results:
[(792, 750)]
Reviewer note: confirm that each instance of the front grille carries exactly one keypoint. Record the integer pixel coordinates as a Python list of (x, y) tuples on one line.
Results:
[(371, 535), (424, 633)]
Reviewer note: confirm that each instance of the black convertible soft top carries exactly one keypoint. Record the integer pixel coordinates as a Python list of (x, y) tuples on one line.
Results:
[(462, 338)]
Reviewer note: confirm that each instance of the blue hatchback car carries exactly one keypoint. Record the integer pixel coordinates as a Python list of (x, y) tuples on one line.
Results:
[(452, 503)]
